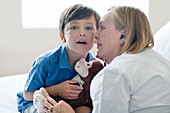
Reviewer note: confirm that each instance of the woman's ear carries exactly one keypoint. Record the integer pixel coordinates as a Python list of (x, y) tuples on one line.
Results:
[(123, 32), (123, 37), (62, 36)]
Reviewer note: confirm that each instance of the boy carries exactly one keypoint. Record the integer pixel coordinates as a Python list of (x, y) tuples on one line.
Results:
[(54, 69)]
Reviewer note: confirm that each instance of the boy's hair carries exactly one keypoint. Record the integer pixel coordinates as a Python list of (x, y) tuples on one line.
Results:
[(137, 28), (77, 12)]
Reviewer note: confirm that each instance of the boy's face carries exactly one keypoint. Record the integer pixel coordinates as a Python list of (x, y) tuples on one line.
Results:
[(79, 35)]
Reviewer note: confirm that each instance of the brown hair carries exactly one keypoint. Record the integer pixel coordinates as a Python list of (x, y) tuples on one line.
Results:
[(77, 12)]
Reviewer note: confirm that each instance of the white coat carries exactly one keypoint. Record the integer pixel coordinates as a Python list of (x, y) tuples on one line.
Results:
[(133, 83)]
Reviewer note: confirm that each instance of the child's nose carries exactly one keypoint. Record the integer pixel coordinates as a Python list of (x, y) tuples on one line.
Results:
[(82, 34), (82, 31)]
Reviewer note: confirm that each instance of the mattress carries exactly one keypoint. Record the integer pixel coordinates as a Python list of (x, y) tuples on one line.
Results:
[(9, 86)]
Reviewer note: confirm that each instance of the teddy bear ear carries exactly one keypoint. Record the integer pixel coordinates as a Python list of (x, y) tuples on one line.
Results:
[(82, 59)]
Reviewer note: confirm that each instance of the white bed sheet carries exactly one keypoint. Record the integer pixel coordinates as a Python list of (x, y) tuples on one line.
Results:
[(9, 86)]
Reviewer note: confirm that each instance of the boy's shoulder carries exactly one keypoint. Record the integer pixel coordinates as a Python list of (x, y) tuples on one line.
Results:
[(52, 54)]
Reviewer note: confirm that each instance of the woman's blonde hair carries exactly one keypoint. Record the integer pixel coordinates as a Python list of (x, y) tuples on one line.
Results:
[(138, 33)]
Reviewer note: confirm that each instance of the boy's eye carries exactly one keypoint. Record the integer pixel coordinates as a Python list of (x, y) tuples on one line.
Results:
[(74, 27), (89, 28)]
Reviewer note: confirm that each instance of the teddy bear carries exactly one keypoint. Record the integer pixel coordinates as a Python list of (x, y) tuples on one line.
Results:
[(86, 72)]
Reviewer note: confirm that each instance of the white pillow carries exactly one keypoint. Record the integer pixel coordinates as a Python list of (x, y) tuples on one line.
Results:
[(162, 41)]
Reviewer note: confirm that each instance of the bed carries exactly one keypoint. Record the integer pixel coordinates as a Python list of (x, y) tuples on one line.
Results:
[(9, 86)]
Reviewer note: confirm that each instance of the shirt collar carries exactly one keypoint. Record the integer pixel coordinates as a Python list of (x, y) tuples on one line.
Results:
[(63, 59)]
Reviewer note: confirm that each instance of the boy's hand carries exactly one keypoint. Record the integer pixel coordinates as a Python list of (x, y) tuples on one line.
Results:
[(68, 90)]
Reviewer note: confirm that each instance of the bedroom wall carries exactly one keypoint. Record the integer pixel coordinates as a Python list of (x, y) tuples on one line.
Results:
[(159, 13), (19, 47)]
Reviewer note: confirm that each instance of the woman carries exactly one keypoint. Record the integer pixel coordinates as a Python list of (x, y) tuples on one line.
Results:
[(137, 78)]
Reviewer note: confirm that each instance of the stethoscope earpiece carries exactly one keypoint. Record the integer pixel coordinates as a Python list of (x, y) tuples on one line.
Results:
[(122, 37)]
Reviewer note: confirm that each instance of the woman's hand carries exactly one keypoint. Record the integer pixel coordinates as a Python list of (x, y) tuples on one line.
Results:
[(51, 106)]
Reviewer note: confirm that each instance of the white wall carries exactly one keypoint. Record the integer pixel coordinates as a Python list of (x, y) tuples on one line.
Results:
[(159, 13), (19, 47)]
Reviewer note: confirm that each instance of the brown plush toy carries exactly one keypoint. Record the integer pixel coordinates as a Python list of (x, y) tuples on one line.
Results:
[(86, 72)]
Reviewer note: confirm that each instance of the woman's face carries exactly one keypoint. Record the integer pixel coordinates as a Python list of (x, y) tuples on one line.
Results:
[(108, 40)]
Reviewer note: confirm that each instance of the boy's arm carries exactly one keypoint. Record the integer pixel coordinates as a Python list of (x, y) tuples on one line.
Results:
[(52, 90), (65, 89), (28, 95)]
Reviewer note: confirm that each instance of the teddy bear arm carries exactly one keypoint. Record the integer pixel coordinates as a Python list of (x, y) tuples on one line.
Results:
[(37, 98), (38, 104)]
